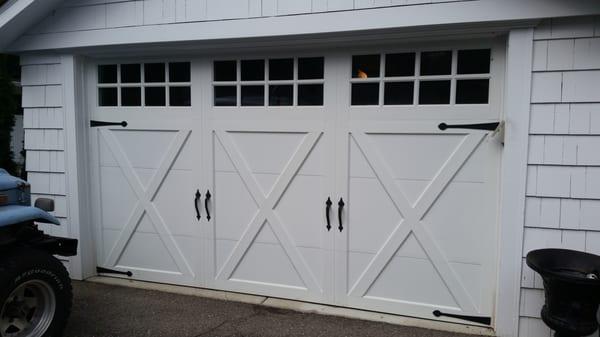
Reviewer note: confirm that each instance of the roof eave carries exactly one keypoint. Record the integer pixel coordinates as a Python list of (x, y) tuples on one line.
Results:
[(16, 16)]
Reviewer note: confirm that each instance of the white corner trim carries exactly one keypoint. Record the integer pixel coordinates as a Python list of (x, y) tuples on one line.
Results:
[(80, 226), (513, 177)]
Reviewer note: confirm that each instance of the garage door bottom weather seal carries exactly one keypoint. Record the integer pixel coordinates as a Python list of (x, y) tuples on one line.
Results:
[(476, 319), (101, 270)]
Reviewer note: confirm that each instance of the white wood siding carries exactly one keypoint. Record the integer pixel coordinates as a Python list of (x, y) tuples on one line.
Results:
[(43, 121), (563, 187), (79, 15)]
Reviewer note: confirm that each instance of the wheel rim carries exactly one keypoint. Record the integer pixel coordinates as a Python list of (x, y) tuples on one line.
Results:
[(28, 310)]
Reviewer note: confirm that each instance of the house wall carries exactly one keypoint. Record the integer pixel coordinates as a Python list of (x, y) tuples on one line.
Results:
[(563, 186), (77, 15), (43, 123)]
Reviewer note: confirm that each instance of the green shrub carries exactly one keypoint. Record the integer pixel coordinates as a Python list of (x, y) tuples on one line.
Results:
[(8, 108)]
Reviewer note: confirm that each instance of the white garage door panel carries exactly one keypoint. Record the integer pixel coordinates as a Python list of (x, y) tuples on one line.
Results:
[(267, 237), (420, 234), (141, 171), (421, 203)]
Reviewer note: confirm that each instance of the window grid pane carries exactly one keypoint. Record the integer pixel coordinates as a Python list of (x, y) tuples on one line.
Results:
[(179, 72), (277, 82), (253, 70), (131, 96), (436, 63), (144, 84), (131, 73), (472, 91), (310, 94), (399, 65), (434, 92), (155, 96), (180, 96), (225, 71), (366, 66), (474, 61), (398, 93), (311, 68), (108, 97), (445, 77), (281, 95), (365, 93), (154, 73), (281, 69), (225, 95), (253, 95), (107, 73)]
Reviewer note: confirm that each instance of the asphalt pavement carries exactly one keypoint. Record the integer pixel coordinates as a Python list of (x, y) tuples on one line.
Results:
[(101, 310)]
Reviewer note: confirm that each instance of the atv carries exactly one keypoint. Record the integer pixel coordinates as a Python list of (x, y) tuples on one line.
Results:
[(35, 288)]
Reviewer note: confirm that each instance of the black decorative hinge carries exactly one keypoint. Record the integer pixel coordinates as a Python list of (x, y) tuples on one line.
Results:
[(480, 126), (476, 319), (101, 270), (94, 124)]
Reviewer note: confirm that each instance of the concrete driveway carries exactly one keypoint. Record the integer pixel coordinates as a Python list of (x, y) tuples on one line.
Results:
[(101, 310)]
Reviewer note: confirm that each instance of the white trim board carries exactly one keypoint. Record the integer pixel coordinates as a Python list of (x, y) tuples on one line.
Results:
[(76, 164), (513, 177), (299, 44), (403, 17), (304, 307)]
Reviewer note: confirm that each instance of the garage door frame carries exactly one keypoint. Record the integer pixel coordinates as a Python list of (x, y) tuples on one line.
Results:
[(513, 174)]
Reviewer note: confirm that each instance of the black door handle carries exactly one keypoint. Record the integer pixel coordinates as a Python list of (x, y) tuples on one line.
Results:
[(328, 204), (196, 198), (206, 199), (480, 126), (340, 210), (94, 124)]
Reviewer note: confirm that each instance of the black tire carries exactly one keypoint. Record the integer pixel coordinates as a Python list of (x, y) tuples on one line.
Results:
[(31, 265)]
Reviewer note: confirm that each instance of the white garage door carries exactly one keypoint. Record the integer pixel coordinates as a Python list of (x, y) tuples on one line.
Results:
[(145, 174), (270, 135), (323, 177), (421, 202)]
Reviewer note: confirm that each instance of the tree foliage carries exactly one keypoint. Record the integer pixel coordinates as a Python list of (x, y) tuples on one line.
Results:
[(8, 108)]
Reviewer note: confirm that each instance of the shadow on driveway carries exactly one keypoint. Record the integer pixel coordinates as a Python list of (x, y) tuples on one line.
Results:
[(111, 311)]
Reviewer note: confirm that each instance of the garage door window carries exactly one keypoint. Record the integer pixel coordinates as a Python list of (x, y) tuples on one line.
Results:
[(441, 77), (271, 82), (148, 85)]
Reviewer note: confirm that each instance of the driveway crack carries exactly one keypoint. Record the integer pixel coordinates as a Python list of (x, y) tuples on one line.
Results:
[(228, 321)]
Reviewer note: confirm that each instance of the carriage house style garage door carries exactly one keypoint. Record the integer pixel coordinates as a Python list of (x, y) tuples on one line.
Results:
[(322, 177)]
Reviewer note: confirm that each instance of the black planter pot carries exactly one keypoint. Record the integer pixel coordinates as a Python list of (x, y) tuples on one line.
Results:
[(572, 289)]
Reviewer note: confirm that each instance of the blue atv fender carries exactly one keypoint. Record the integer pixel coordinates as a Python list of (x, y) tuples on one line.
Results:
[(14, 214)]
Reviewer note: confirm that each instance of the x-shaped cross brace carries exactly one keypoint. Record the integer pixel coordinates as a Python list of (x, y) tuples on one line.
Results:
[(266, 205), (412, 216), (144, 204)]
